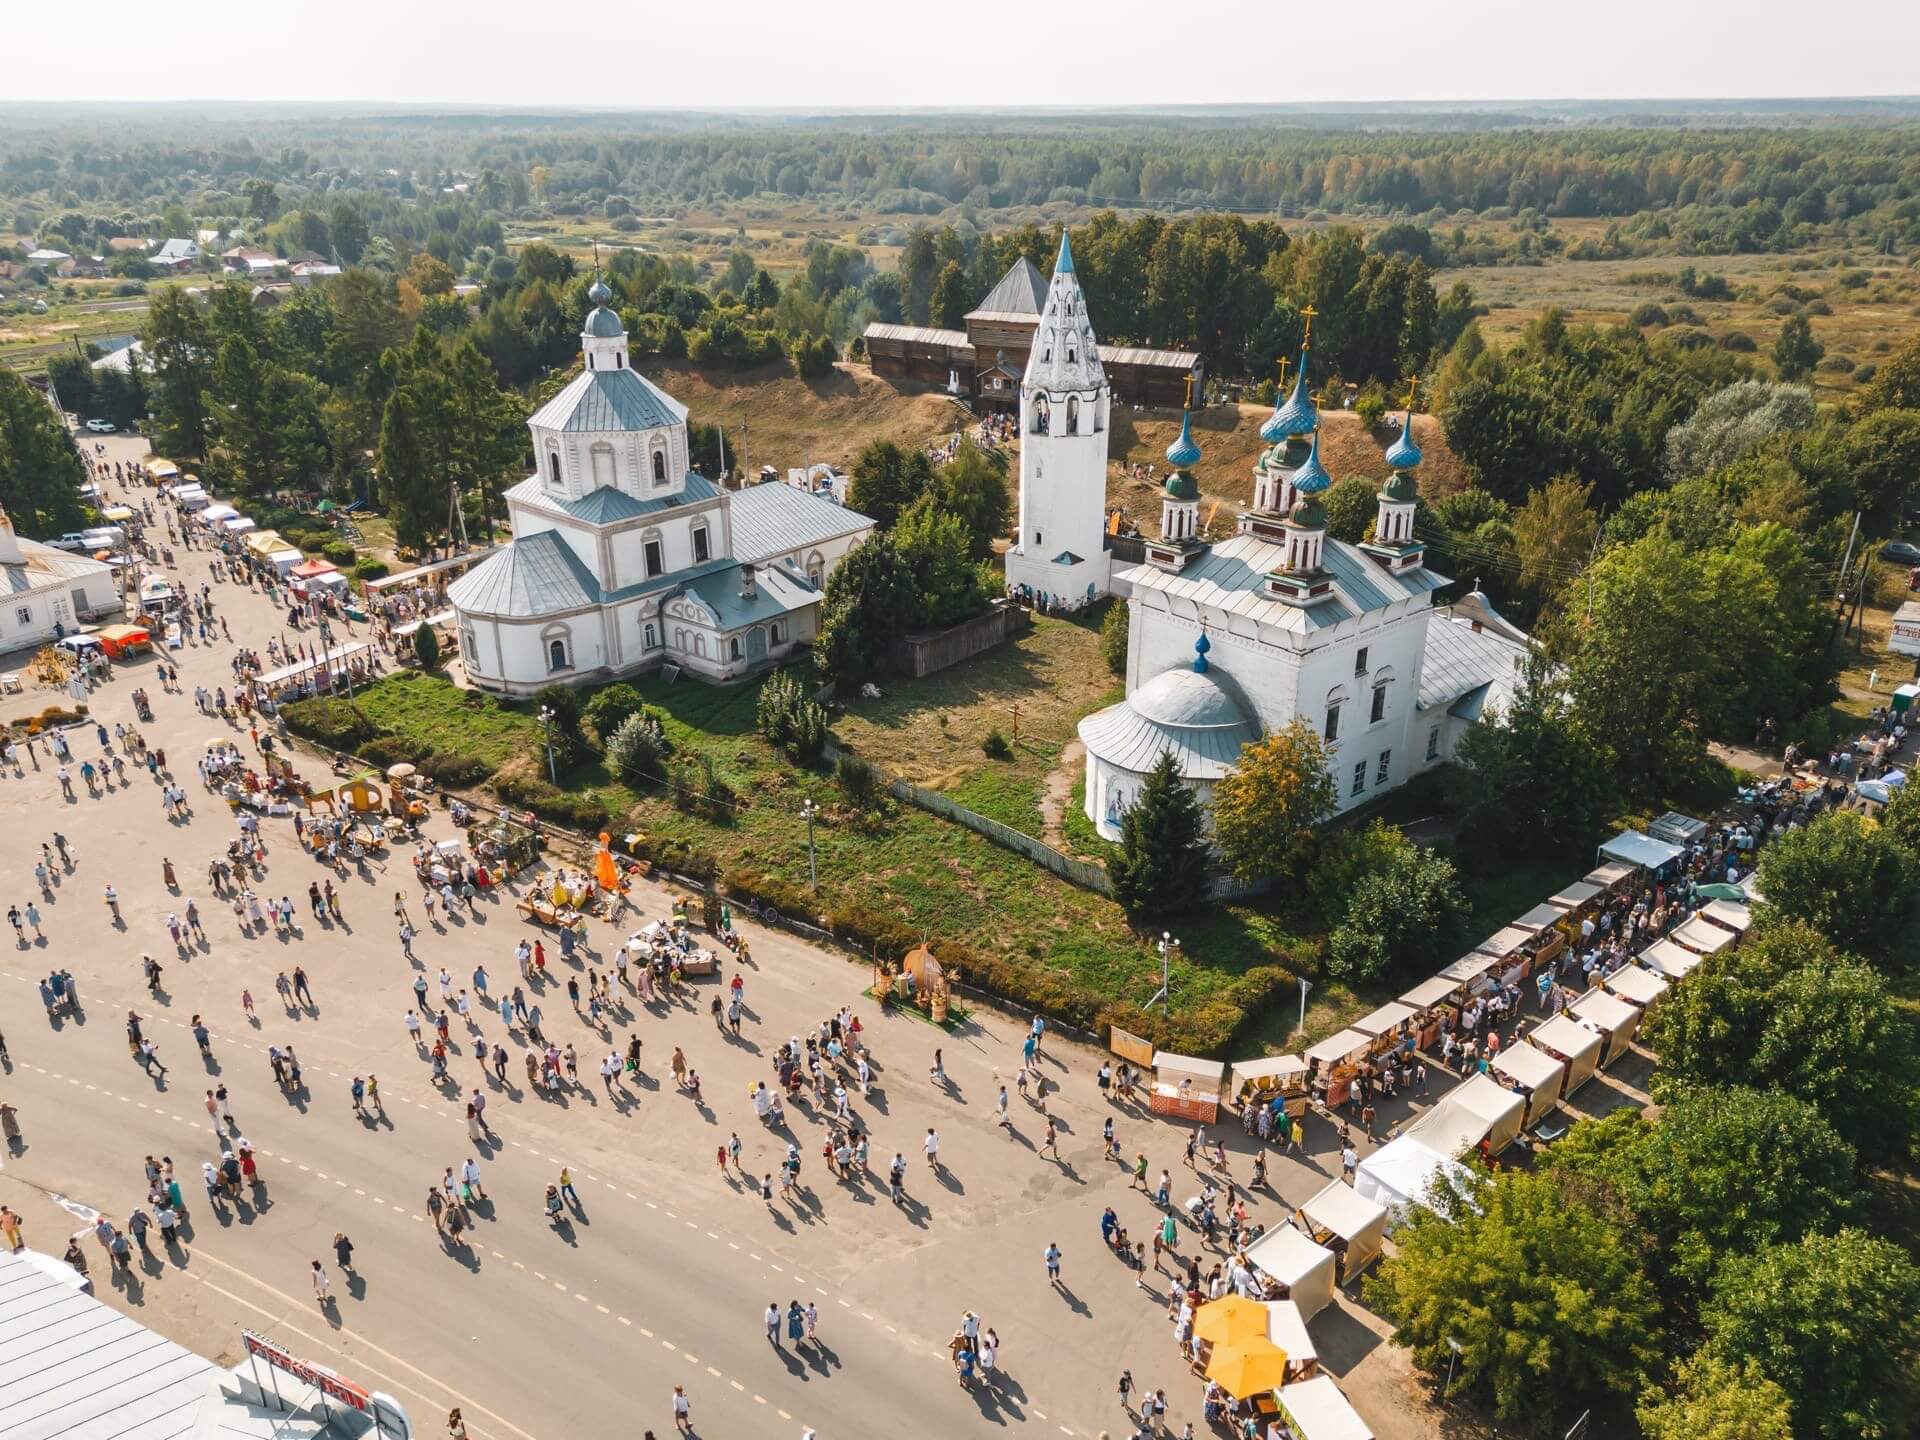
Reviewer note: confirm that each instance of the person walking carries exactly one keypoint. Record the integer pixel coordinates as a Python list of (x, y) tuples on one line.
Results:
[(342, 1252), (932, 1148), (1052, 1256), (682, 1411), (320, 1287)]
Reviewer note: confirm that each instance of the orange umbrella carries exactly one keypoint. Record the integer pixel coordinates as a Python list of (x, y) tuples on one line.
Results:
[(1250, 1367), (1230, 1320)]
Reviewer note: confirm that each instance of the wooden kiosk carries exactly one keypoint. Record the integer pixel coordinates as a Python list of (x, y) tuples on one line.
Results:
[(1436, 1007), (1635, 985), (1611, 1018), (1390, 1027), (1186, 1087), (1573, 1045), (1258, 1082), (1332, 1064), (1353, 1227)]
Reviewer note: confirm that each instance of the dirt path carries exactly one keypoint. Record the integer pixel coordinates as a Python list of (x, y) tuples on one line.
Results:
[(1057, 794)]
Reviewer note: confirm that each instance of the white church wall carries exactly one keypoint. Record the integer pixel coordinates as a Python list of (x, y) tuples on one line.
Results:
[(673, 530)]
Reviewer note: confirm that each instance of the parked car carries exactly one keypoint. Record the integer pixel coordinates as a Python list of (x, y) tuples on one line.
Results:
[(100, 427), (1901, 551), (72, 540)]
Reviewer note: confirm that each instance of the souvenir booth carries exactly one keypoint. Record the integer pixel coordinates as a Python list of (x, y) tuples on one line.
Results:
[(1294, 1269), (1669, 959), (1549, 935), (1635, 985), (1332, 1064), (1611, 1018), (1257, 1082), (1436, 1007), (1478, 1109), (1537, 1072), (1512, 950), (1578, 901), (1342, 1221), (1389, 1027), (1186, 1088), (1701, 936), (1316, 1410), (1286, 1329), (1727, 915), (1632, 848), (1608, 875), (1573, 1045), (1402, 1174)]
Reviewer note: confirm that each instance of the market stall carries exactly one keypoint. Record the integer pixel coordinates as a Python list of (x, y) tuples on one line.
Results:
[(1296, 1269), (1318, 1411), (1635, 985), (1578, 900), (1436, 1005), (1332, 1064), (1549, 935), (1512, 948), (1728, 915), (1536, 1072), (1573, 1045), (1607, 876), (1402, 1173), (1389, 1027), (313, 576), (1186, 1087), (1477, 1110), (1256, 1082), (1611, 1018), (214, 514), (319, 672), (1668, 959), (1696, 934), (1286, 1329), (1351, 1226), (1632, 848)]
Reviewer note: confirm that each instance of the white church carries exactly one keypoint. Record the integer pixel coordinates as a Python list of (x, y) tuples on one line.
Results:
[(624, 558), (1230, 641)]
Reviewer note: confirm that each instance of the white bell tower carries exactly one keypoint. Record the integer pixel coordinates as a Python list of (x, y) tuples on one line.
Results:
[(1060, 553)]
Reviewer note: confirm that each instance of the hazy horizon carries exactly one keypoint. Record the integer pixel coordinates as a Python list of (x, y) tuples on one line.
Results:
[(863, 56)]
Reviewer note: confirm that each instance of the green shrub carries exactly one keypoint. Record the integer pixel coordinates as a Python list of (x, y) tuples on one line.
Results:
[(678, 856), (426, 648), (789, 720), (337, 724), (638, 746), (456, 769), (1113, 636), (549, 802), (569, 741), (339, 552), (385, 750), (1371, 405), (611, 705), (745, 883), (858, 780), (370, 569), (995, 746)]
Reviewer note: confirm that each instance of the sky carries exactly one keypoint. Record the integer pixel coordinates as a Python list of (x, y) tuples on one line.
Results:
[(897, 53)]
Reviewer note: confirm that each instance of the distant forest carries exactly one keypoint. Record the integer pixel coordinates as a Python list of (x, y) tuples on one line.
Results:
[(1757, 185)]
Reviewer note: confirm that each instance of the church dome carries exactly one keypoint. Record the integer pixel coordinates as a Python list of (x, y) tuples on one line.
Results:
[(1312, 478), (603, 324), (1191, 712), (1403, 454), (598, 292), (1298, 415), (1187, 699), (1184, 453)]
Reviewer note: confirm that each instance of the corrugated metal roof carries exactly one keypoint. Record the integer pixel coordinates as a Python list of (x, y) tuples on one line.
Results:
[(534, 575), (1146, 355), (917, 335), (1019, 295), (609, 504), (609, 400), (777, 591), (1231, 578), (1460, 661), (1192, 714), (775, 519)]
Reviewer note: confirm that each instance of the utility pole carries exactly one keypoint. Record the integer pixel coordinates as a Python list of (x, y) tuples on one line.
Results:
[(1841, 581)]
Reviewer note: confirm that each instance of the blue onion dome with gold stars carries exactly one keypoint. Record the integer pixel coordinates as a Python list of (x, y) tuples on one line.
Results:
[(1312, 477), (1298, 415), (1403, 454)]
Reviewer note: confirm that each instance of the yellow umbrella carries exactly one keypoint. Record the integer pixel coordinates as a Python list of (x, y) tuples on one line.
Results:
[(1230, 1320), (1250, 1367)]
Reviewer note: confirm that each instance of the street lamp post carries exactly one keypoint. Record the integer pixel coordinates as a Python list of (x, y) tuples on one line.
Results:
[(809, 809), (546, 730), (1168, 948), (1305, 986)]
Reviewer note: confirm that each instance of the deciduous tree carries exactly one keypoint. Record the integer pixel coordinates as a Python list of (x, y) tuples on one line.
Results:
[(1265, 808), (1713, 1399), (1850, 879)]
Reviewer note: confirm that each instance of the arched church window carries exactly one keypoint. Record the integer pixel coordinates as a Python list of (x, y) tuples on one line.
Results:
[(1073, 415), (659, 467), (557, 641), (1040, 416), (1072, 355), (553, 468)]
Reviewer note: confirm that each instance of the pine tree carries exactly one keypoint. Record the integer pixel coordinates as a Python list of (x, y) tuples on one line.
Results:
[(1162, 869)]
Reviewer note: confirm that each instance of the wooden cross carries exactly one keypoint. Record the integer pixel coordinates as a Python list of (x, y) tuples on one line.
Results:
[(1413, 389), (1284, 363), (1189, 400), (1307, 314)]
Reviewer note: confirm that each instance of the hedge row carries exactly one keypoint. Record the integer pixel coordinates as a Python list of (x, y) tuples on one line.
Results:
[(443, 766), (549, 802)]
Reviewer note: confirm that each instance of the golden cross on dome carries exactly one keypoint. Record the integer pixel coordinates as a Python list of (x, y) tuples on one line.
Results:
[(1413, 389), (1189, 399), (1284, 363), (1307, 314)]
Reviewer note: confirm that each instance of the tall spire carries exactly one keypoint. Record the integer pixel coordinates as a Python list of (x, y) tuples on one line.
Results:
[(1063, 262), (1297, 415), (1403, 454), (1065, 355)]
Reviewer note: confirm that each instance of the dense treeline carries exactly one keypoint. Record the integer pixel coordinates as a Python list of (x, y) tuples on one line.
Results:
[(1795, 177)]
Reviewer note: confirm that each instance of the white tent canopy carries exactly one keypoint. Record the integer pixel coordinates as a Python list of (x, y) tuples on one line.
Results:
[(1477, 1109), (1575, 895), (1507, 943), (1700, 937), (1635, 985), (1319, 1411), (1401, 1174), (1536, 1070), (1387, 1019), (1274, 1067), (1348, 1044), (218, 512), (1669, 959), (1286, 1329), (1611, 873), (1429, 993), (1540, 917), (1306, 1269), (1609, 1017), (1725, 913), (1568, 1040), (1470, 966), (1341, 1210), (1630, 847)]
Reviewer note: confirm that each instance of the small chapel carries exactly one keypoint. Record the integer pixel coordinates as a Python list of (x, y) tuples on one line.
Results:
[(625, 558), (1231, 640)]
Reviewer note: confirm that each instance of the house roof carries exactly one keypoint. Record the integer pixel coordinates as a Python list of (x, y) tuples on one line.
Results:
[(609, 400), (47, 567), (777, 591), (608, 505), (532, 576), (1231, 578), (177, 250), (1182, 360), (1019, 295), (775, 519), (916, 334)]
